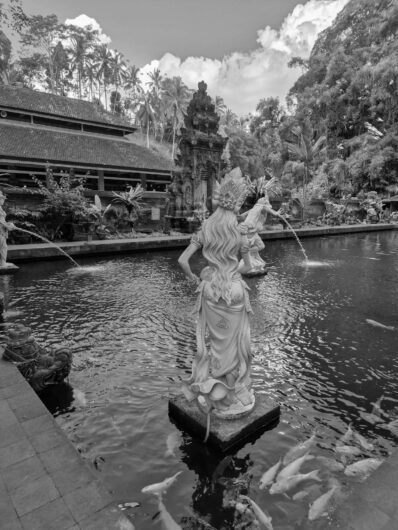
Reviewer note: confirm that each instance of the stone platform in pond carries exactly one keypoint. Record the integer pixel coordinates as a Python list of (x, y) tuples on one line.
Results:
[(9, 268), (224, 434), (253, 274)]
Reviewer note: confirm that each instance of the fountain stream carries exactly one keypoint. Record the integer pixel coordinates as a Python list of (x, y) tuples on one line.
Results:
[(49, 242), (297, 238)]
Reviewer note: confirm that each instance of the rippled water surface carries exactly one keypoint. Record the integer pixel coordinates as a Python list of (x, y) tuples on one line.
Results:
[(128, 323)]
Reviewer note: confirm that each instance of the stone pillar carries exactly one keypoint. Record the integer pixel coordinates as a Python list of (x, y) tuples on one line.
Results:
[(143, 180), (101, 181)]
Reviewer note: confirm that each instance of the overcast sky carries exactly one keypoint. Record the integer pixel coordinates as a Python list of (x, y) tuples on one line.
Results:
[(239, 47)]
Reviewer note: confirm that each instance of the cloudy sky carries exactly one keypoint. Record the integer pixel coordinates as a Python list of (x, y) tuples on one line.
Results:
[(239, 47)]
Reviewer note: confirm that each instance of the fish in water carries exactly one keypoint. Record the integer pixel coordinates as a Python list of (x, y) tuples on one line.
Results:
[(286, 484), (376, 324), (348, 436), (294, 467), (262, 517), (319, 507), (160, 487), (377, 407), (269, 476), (392, 427), (300, 495), (370, 418), (363, 442), (172, 443), (330, 463), (347, 450), (363, 468), (79, 397), (168, 522), (298, 450)]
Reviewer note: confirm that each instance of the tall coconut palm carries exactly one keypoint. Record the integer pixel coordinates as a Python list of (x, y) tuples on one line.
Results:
[(117, 71), (155, 81), (132, 83), (103, 65), (146, 114), (79, 54), (176, 96)]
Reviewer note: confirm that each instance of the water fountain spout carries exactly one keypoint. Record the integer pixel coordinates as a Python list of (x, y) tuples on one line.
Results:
[(49, 242), (296, 236)]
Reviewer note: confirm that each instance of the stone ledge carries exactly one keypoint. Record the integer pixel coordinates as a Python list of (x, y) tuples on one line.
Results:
[(224, 434)]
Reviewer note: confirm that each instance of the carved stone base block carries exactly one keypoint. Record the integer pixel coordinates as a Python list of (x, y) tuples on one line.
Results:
[(9, 268), (224, 434)]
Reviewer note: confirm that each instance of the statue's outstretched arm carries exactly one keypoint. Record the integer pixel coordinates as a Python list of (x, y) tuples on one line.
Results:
[(183, 261)]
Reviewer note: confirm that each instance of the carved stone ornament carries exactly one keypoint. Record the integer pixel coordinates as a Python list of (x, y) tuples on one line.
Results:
[(40, 367)]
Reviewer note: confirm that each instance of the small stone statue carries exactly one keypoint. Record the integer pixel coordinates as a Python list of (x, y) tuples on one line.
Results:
[(253, 223), (39, 366), (4, 228), (221, 379)]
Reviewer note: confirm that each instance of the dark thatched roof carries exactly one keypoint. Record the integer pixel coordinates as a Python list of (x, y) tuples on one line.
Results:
[(37, 143), (28, 100)]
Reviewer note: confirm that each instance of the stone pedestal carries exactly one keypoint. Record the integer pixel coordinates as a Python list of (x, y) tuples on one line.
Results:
[(9, 268), (253, 274), (224, 434)]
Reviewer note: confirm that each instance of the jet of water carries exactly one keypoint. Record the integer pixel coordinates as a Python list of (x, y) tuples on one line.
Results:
[(49, 242), (296, 236)]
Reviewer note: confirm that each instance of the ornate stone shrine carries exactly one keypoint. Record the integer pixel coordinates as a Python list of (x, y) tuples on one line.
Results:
[(199, 162), (40, 367)]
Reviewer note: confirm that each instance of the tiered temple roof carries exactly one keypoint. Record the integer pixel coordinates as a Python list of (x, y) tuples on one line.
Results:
[(40, 127)]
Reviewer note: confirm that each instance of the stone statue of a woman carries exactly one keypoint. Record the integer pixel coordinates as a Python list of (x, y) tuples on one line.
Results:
[(254, 221), (220, 379), (4, 228)]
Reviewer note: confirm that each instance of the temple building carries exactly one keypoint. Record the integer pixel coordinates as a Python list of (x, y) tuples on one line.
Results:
[(40, 130)]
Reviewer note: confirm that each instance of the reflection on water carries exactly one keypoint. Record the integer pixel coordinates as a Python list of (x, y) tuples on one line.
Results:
[(129, 324)]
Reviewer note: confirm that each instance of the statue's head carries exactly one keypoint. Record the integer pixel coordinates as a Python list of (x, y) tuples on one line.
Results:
[(231, 191)]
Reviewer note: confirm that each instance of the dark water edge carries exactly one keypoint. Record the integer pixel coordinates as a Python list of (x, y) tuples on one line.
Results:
[(128, 323)]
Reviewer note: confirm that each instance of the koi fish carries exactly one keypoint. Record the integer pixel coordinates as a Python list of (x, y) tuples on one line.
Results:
[(172, 442), (286, 484), (269, 476), (363, 468), (160, 487), (319, 507), (298, 450), (294, 467), (263, 518), (167, 521), (376, 324)]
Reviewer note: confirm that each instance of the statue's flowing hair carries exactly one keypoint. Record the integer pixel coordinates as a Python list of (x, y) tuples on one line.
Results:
[(221, 243)]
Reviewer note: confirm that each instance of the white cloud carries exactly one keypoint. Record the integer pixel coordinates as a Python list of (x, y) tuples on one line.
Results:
[(84, 21), (242, 79)]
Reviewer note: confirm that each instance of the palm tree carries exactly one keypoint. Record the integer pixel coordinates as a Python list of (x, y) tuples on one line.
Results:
[(155, 83), (79, 50), (305, 150), (176, 96), (117, 71), (229, 119), (146, 114), (132, 84), (103, 62)]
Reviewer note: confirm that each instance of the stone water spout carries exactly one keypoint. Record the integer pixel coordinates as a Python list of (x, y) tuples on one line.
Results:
[(40, 366)]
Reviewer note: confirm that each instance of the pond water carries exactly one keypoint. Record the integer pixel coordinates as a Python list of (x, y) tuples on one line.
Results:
[(128, 323)]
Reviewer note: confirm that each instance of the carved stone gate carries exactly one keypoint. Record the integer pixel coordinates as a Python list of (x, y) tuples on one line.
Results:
[(199, 163)]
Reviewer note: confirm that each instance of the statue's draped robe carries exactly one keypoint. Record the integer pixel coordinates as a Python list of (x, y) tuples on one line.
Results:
[(228, 329)]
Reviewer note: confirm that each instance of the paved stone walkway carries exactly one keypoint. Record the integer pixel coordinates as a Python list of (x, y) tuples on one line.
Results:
[(44, 483)]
